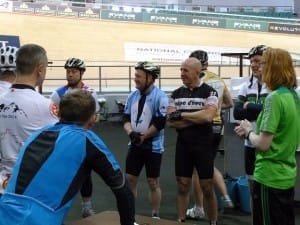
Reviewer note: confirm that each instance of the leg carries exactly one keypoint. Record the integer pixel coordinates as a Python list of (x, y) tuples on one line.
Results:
[(183, 188), (210, 199), (86, 195), (219, 183), (154, 195), (152, 166), (197, 211), (132, 180)]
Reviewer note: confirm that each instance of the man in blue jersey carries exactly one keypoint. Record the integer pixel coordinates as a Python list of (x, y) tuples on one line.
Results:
[(144, 121), (49, 173)]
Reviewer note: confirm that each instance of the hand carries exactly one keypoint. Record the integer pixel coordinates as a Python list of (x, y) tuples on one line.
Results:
[(243, 128), (175, 116), (135, 138)]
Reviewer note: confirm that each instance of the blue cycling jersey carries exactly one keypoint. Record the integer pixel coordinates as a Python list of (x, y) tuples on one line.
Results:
[(51, 168), (156, 105)]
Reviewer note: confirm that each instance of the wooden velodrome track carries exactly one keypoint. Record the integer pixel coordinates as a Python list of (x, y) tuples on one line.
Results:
[(98, 40), (102, 41)]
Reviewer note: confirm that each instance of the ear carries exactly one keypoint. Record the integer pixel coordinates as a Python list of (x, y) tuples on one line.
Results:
[(91, 121)]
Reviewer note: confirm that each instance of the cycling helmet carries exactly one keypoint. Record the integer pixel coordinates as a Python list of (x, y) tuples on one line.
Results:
[(8, 58), (201, 55), (257, 50), (75, 63), (149, 67)]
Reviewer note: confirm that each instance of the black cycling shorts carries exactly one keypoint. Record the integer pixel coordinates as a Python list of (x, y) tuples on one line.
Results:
[(138, 157), (194, 153)]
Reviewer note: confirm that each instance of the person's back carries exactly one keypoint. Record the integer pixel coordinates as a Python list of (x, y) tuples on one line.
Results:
[(41, 183), (22, 109)]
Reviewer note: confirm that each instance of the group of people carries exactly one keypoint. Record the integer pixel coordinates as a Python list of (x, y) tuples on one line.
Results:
[(39, 136)]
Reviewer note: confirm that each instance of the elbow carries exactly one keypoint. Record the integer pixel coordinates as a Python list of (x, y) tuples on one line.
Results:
[(262, 146)]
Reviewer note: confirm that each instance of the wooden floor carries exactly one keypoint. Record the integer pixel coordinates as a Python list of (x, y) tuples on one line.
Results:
[(98, 40)]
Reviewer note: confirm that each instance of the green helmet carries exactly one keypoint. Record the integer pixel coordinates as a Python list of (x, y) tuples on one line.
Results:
[(149, 67), (75, 63)]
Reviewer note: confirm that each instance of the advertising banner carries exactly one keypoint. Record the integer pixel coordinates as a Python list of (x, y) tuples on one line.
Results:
[(121, 16), (23, 7), (9, 40), (204, 22), (45, 9), (284, 28), (246, 25), (163, 18)]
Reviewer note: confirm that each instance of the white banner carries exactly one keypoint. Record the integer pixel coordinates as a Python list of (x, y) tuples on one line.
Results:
[(168, 53), (6, 6)]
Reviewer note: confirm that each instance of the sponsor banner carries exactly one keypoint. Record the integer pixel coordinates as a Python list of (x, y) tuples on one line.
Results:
[(45, 9), (163, 18), (6, 6), (246, 25), (90, 13), (68, 11), (204, 22), (121, 16), (23, 7), (9, 40), (284, 28), (167, 53)]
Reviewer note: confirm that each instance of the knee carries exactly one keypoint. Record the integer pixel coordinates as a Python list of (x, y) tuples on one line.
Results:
[(183, 185), (153, 183)]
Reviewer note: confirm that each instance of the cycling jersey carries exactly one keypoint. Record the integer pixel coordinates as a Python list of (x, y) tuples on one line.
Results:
[(4, 86), (187, 100), (219, 85), (49, 173), (255, 94), (155, 106), (60, 92), (22, 111)]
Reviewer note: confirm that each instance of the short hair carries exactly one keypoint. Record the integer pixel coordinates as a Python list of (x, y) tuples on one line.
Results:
[(28, 57), (200, 55), (77, 106), (278, 69)]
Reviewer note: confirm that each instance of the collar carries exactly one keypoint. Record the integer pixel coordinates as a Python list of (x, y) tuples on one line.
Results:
[(22, 86)]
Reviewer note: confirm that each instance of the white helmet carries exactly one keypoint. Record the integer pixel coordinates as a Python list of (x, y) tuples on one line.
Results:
[(8, 58)]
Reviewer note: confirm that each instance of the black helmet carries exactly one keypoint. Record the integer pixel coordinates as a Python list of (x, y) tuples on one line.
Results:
[(75, 63), (257, 50), (8, 58), (201, 55), (148, 67)]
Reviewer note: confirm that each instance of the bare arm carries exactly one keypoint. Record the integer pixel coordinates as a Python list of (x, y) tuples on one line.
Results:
[(261, 141), (227, 100), (204, 116)]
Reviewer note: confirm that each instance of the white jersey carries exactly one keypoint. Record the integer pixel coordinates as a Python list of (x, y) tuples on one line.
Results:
[(4, 86), (22, 111)]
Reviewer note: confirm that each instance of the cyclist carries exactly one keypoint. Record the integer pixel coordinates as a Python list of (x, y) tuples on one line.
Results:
[(144, 121), (224, 102), (7, 67), (75, 69), (42, 187), (22, 109)]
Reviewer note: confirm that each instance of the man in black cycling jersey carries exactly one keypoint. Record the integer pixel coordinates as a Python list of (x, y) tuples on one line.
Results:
[(191, 111)]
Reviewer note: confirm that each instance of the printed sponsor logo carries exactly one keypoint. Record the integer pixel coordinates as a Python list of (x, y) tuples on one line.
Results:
[(284, 28)]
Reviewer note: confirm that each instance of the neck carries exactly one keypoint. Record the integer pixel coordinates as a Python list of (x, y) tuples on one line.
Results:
[(29, 80)]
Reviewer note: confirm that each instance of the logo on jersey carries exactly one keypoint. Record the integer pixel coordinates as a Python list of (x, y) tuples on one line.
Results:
[(11, 110)]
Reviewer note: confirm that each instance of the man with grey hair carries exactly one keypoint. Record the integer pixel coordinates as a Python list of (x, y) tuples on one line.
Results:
[(22, 109)]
